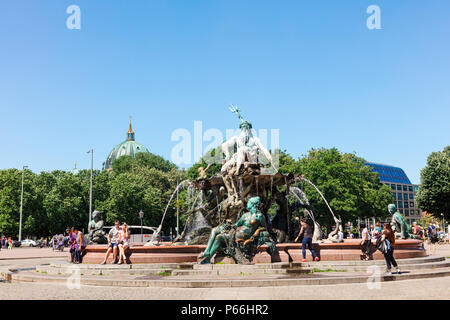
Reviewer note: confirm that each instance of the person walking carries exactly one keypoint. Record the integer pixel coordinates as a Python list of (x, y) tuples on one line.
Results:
[(10, 243), (307, 233), (385, 243)]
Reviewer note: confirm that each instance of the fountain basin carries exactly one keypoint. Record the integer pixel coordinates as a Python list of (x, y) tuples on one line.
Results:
[(286, 252)]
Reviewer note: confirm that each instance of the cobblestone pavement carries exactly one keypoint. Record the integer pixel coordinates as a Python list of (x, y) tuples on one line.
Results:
[(27, 253), (407, 289)]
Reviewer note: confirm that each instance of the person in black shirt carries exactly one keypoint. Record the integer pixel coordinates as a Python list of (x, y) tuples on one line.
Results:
[(307, 233)]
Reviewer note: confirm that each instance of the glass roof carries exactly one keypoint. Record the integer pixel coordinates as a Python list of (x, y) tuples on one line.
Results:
[(389, 173)]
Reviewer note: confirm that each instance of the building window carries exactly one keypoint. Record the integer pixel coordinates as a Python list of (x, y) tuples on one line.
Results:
[(399, 187), (416, 188), (407, 212), (411, 196), (406, 204), (405, 196), (410, 188), (393, 186), (401, 210), (411, 204), (399, 196), (400, 204), (405, 188), (395, 195)]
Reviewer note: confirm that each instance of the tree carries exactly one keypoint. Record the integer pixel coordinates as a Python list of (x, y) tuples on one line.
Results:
[(142, 159), (351, 188), (434, 190)]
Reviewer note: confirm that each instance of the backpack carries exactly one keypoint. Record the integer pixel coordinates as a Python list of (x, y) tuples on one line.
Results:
[(434, 232)]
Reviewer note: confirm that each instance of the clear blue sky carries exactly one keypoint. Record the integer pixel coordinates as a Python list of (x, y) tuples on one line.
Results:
[(309, 68)]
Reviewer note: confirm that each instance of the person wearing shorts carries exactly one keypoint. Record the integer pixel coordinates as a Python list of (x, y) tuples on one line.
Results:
[(113, 244), (124, 244)]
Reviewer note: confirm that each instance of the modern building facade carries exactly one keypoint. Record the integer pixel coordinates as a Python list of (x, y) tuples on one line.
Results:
[(403, 190), (129, 147)]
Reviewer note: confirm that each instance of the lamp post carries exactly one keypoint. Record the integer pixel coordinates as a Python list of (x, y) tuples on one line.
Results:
[(141, 215), (21, 205), (178, 215), (90, 189)]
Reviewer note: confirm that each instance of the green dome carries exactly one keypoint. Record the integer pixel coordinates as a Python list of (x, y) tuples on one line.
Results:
[(127, 148)]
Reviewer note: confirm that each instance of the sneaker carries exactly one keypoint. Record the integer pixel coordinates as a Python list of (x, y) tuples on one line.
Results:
[(104, 262), (316, 259), (398, 271), (303, 260), (388, 273)]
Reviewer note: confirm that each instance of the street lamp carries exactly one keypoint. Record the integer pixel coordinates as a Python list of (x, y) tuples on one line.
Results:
[(141, 215), (90, 189), (21, 205)]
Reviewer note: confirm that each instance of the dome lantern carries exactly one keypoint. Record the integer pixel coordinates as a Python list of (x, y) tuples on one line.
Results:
[(129, 147)]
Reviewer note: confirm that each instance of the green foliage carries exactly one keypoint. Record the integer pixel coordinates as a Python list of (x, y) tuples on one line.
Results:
[(434, 190), (142, 160), (56, 200), (214, 157), (353, 191)]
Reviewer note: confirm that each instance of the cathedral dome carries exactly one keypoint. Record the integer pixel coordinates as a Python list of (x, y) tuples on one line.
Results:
[(127, 148)]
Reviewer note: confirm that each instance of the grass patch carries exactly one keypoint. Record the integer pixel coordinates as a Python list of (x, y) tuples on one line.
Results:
[(43, 271), (164, 273), (220, 262), (313, 270)]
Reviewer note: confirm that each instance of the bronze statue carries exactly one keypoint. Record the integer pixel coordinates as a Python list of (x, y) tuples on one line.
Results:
[(240, 240), (398, 223), (95, 228)]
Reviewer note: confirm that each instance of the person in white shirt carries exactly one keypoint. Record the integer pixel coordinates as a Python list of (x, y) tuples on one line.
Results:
[(366, 243)]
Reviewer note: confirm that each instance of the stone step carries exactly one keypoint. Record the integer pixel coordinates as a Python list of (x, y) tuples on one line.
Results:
[(368, 263), (217, 283), (123, 266), (100, 271), (238, 271)]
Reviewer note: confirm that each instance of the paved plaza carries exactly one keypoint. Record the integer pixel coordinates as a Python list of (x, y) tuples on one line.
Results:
[(407, 289)]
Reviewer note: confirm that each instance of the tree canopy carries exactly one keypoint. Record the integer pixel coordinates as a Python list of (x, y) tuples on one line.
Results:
[(434, 190)]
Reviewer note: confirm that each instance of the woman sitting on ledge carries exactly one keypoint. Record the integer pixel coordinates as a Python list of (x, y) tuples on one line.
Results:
[(124, 237)]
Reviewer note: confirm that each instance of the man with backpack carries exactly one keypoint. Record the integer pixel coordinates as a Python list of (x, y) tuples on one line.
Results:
[(432, 238)]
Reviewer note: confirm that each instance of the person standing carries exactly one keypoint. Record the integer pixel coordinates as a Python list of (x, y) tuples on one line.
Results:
[(82, 243), (371, 230), (388, 238), (73, 245), (341, 235), (432, 238), (378, 227), (10, 243), (366, 242), (307, 233)]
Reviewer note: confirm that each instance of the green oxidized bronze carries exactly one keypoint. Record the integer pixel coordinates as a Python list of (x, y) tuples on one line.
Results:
[(241, 240), (401, 228)]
